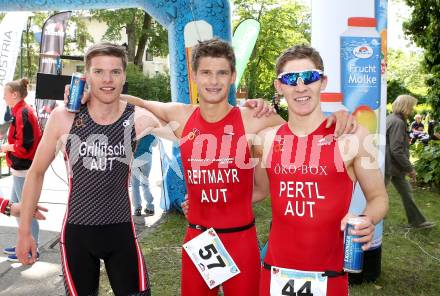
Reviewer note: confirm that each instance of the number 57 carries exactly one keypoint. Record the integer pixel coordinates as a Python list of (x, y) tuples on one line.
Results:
[(210, 250)]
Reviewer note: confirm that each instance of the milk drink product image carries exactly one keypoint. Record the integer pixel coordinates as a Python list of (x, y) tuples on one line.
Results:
[(361, 64)]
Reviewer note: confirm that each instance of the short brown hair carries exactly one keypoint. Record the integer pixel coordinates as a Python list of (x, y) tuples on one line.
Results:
[(19, 86), (214, 48), (299, 52), (106, 49)]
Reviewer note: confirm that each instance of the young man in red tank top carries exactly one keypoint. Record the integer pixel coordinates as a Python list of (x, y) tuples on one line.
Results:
[(311, 176), (217, 166)]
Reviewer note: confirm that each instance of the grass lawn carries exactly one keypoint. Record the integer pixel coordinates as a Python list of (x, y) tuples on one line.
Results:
[(410, 258)]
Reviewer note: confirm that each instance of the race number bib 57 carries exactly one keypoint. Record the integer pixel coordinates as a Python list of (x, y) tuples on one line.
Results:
[(291, 282), (211, 259)]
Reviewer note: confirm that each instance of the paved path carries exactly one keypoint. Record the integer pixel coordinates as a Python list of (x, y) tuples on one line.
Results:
[(44, 277)]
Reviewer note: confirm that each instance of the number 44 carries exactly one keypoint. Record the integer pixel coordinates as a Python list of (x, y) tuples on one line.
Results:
[(289, 289)]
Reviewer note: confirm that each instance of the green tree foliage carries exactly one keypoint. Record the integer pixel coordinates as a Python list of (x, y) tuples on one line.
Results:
[(405, 75), (427, 164), (141, 30), (78, 42), (156, 87), (283, 24), (423, 28)]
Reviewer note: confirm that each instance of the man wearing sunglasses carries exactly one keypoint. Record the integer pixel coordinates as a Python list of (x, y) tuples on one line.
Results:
[(310, 177)]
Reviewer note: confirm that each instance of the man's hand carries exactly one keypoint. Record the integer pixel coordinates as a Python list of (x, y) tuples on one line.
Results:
[(364, 229), (26, 249), (345, 123), (7, 147), (84, 99), (185, 206), (413, 175), (4, 148), (15, 211), (260, 106)]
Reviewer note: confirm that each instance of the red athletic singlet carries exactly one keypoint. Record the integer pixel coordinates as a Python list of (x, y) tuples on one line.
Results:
[(310, 194), (219, 180), (218, 172)]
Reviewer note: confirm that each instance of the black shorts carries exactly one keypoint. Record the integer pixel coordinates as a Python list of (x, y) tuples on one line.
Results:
[(82, 248)]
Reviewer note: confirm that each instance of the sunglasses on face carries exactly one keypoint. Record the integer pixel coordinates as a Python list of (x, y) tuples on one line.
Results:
[(307, 77)]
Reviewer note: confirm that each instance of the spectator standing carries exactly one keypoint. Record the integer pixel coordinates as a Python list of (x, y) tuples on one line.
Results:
[(23, 138), (141, 168), (397, 164)]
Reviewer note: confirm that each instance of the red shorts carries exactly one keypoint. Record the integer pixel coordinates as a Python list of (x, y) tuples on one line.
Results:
[(243, 248)]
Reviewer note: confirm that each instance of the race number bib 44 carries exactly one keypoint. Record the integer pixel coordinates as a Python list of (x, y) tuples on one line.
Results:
[(291, 282), (211, 258)]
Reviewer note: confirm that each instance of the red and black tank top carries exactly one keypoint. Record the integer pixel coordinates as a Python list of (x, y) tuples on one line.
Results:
[(98, 158)]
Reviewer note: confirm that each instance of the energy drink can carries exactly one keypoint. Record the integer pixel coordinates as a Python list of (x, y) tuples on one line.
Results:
[(77, 85), (353, 253)]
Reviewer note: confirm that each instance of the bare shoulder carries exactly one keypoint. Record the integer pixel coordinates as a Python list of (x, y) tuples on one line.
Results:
[(269, 132), (263, 141), (358, 138), (144, 119), (254, 125), (181, 113), (60, 120), (359, 148), (184, 110), (142, 112)]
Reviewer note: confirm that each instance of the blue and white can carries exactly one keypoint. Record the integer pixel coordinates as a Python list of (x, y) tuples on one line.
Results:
[(361, 64), (353, 253), (77, 85)]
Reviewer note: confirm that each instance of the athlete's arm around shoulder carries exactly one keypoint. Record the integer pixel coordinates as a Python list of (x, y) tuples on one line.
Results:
[(261, 147), (360, 156), (253, 125), (58, 126), (167, 112), (146, 123)]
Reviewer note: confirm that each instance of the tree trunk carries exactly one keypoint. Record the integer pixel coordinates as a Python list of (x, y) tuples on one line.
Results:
[(131, 38), (142, 43)]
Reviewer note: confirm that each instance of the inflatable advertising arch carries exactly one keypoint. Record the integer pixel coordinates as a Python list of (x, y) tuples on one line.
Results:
[(187, 22)]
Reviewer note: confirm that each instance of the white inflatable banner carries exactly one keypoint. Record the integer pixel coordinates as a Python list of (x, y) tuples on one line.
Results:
[(11, 29)]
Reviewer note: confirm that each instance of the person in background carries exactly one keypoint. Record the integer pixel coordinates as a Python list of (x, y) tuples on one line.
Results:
[(397, 164), (141, 168), (417, 130), (23, 138)]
